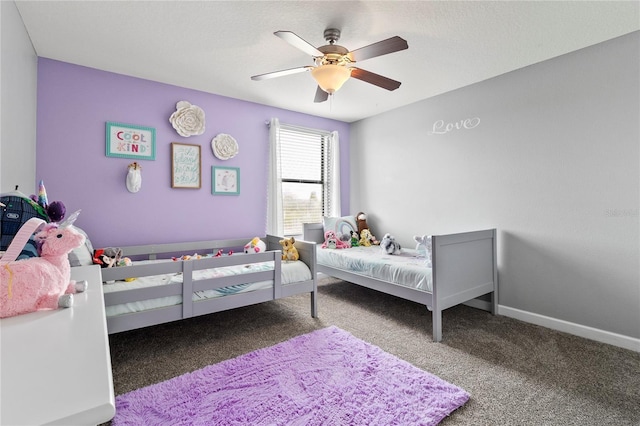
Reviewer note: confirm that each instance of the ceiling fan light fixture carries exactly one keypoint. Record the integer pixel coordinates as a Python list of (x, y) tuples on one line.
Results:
[(330, 77)]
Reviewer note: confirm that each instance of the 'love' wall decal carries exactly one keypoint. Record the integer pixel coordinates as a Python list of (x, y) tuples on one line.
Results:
[(441, 128)]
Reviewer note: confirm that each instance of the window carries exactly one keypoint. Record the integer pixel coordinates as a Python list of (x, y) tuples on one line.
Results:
[(306, 177), (302, 153)]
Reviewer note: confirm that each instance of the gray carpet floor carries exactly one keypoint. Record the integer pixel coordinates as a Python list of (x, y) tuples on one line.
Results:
[(516, 373)]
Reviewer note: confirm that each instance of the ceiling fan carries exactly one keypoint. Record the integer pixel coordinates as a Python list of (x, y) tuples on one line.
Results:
[(333, 62)]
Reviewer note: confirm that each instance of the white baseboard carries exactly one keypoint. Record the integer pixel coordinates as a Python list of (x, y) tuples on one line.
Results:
[(602, 336), (598, 335)]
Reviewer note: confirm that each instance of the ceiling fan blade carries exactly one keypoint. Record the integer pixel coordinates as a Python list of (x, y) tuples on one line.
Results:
[(384, 47), (321, 95), (280, 73), (296, 41), (375, 79)]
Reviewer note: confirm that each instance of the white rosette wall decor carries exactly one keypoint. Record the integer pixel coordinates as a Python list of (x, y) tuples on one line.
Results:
[(188, 120), (224, 146)]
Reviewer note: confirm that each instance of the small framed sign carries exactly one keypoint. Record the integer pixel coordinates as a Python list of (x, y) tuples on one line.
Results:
[(129, 141), (225, 180), (186, 163)]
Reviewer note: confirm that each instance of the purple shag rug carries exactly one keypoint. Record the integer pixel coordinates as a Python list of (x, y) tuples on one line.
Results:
[(327, 377)]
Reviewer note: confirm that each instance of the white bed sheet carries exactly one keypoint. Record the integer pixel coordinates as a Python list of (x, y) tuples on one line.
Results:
[(406, 269), (292, 272)]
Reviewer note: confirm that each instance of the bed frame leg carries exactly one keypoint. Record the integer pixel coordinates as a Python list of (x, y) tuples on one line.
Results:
[(314, 305), (436, 316)]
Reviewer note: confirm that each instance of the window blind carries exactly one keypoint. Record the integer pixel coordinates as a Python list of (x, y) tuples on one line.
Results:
[(302, 155)]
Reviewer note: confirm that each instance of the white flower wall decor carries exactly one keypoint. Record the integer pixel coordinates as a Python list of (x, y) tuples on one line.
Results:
[(224, 146), (188, 120)]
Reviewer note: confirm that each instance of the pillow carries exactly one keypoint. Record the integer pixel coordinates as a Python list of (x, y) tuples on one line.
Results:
[(82, 255), (342, 226)]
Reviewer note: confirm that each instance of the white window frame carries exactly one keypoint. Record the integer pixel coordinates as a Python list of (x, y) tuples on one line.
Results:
[(330, 175)]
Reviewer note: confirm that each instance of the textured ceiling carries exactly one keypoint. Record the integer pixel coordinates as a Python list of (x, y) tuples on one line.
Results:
[(216, 46)]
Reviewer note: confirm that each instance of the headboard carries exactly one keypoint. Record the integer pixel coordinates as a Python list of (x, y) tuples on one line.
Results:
[(313, 232)]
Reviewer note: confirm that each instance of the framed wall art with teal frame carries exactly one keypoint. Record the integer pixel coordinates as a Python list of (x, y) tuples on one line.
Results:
[(225, 180), (130, 141)]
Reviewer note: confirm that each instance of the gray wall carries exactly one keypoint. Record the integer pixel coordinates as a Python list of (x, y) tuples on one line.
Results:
[(18, 82), (553, 164)]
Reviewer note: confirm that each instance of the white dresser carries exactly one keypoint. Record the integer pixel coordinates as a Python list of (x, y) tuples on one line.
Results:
[(55, 366)]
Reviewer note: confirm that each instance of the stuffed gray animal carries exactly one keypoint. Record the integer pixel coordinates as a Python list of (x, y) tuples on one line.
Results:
[(107, 257), (389, 245)]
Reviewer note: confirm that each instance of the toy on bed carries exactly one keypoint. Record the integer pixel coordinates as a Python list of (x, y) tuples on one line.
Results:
[(41, 282), (423, 247), (367, 239), (194, 256), (389, 245), (361, 220), (111, 257), (125, 261), (289, 252), (355, 239), (108, 257), (256, 245), (331, 241)]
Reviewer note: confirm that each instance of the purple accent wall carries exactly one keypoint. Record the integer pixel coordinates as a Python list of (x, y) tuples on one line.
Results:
[(75, 102)]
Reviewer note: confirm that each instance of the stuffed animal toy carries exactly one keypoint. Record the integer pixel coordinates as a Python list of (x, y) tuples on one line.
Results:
[(332, 241), (423, 247), (126, 261), (194, 256), (183, 257), (56, 211), (389, 245), (289, 251), (256, 245), (41, 282), (107, 257), (366, 239), (374, 240), (361, 221), (355, 239)]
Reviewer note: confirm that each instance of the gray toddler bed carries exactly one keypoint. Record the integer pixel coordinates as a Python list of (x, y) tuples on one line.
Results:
[(167, 290), (463, 268)]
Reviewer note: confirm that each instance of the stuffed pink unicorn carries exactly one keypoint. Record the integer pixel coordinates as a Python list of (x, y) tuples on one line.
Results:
[(41, 282)]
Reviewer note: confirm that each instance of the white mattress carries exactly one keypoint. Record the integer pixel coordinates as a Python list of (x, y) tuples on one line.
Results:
[(292, 272), (406, 269)]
